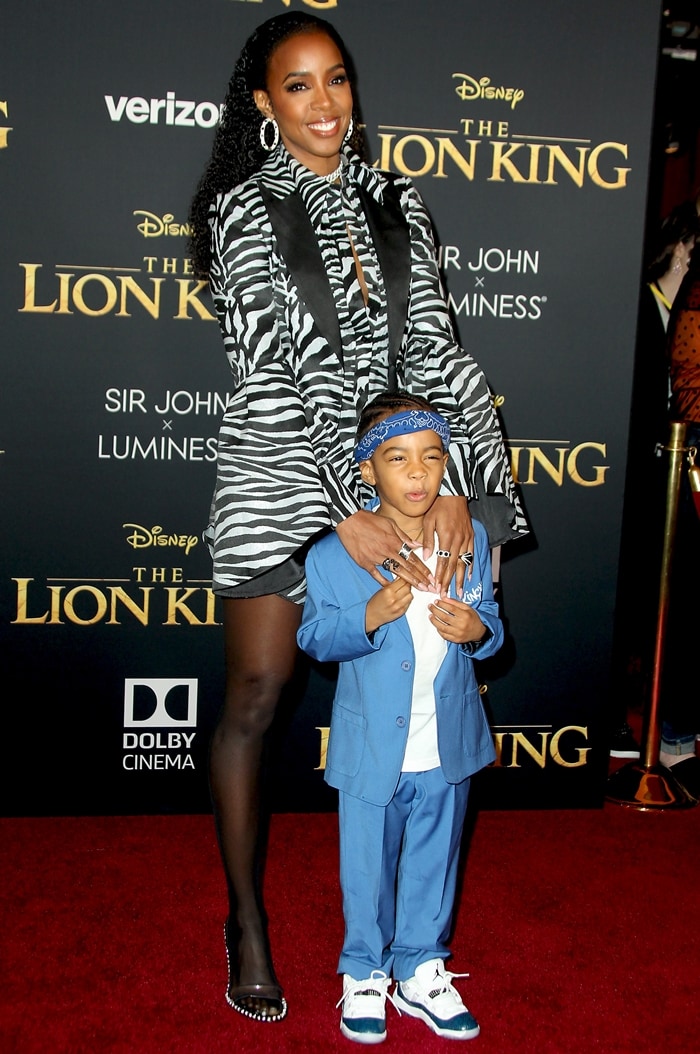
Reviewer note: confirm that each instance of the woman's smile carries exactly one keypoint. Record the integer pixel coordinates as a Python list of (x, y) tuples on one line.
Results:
[(326, 127)]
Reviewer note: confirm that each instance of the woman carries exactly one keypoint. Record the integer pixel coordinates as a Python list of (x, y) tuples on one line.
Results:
[(325, 281)]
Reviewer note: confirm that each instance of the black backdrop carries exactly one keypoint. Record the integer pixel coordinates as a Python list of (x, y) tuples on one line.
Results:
[(526, 127)]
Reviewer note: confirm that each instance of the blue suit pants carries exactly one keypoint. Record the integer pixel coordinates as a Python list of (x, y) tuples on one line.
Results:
[(398, 873)]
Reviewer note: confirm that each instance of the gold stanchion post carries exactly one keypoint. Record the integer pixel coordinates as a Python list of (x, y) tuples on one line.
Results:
[(645, 784)]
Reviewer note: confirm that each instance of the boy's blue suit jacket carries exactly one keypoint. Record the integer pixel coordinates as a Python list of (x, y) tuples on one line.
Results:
[(372, 704)]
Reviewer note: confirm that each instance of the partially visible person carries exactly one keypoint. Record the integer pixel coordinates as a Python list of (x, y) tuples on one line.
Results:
[(645, 483), (680, 703), (408, 730)]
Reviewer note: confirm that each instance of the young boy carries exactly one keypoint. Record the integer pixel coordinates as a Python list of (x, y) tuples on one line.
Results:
[(407, 731)]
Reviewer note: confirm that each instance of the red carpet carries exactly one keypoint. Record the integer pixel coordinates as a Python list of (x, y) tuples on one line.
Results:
[(579, 930)]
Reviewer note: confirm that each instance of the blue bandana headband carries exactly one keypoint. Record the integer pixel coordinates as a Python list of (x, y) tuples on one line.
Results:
[(400, 425)]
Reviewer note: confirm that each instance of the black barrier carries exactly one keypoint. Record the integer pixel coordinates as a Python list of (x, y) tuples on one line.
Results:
[(526, 128)]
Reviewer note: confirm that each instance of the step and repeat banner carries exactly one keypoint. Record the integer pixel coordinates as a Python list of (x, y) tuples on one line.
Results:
[(526, 127)]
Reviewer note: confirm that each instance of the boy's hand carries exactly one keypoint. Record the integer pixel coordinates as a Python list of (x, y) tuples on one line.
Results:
[(456, 621), (387, 604)]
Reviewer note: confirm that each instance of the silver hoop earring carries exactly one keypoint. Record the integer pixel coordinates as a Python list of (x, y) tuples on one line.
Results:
[(275, 135), (351, 128)]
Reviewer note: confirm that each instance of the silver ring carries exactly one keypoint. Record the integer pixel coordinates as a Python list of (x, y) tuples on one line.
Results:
[(405, 551), (390, 564), (444, 553), (467, 558)]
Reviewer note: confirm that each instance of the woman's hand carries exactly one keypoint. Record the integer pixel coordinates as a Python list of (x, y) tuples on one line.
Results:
[(449, 518), (371, 539)]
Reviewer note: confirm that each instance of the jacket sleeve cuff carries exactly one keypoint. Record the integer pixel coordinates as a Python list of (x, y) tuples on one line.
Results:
[(472, 647)]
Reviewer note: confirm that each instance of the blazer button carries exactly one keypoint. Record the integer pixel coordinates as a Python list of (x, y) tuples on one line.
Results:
[(400, 721), (405, 665)]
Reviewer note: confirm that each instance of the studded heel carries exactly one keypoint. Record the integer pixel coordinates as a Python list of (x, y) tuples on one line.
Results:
[(259, 1002)]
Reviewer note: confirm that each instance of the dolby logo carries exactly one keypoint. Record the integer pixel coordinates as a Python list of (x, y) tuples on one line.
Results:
[(160, 702)]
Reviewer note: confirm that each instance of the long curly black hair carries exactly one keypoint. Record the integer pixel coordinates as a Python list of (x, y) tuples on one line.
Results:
[(237, 152)]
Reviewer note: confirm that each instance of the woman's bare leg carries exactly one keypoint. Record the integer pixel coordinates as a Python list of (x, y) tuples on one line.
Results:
[(260, 649)]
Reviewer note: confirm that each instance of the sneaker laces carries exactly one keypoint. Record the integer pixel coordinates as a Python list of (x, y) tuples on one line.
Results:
[(446, 977), (377, 984)]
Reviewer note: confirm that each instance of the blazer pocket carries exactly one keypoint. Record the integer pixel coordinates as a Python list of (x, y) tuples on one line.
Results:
[(346, 741), (476, 733)]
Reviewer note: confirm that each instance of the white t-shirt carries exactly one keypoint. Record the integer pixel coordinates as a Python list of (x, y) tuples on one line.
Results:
[(430, 649)]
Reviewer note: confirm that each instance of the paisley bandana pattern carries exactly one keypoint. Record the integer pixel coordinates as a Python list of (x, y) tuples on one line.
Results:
[(400, 425)]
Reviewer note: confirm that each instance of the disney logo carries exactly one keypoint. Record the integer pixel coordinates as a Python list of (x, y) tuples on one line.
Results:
[(144, 538), (470, 88), (154, 226)]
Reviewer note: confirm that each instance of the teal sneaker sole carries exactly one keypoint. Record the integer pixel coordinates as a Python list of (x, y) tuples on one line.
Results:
[(461, 1026)]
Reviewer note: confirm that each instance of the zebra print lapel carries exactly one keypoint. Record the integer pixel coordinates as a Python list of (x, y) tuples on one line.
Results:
[(391, 238), (299, 247)]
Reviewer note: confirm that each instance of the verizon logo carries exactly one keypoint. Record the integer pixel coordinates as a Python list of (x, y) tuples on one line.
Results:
[(183, 113)]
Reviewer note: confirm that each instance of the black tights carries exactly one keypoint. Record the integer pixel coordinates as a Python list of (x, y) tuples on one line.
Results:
[(260, 649)]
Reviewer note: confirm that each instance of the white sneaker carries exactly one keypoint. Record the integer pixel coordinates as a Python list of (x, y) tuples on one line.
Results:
[(363, 1017), (431, 996)]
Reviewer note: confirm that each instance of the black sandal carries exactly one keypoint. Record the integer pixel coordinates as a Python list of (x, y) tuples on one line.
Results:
[(260, 1002)]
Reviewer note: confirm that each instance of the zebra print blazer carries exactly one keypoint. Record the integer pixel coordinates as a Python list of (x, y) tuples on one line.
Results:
[(285, 470)]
